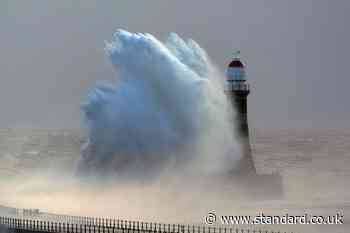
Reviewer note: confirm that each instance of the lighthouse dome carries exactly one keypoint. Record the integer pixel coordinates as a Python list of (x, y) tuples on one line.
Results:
[(236, 63), (236, 71)]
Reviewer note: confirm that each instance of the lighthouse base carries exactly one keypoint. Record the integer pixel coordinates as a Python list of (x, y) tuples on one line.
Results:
[(261, 186), (248, 187)]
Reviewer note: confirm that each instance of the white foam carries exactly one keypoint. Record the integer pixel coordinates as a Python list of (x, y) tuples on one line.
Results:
[(165, 105)]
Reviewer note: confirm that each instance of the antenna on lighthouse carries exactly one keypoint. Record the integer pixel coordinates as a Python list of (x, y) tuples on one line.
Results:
[(237, 54)]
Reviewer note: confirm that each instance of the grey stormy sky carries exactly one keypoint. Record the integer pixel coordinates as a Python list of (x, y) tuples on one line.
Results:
[(297, 54)]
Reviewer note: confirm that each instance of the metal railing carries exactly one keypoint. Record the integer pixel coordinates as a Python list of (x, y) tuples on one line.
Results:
[(36, 221), (237, 86)]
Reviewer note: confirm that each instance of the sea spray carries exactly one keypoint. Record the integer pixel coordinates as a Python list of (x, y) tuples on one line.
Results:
[(166, 108)]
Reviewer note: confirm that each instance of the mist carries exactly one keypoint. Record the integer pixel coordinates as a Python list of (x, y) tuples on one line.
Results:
[(160, 140)]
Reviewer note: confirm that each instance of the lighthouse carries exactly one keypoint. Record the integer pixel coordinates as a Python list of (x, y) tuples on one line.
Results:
[(237, 90)]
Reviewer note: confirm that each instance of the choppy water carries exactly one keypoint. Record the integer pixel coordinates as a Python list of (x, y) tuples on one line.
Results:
[(315, 165)]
